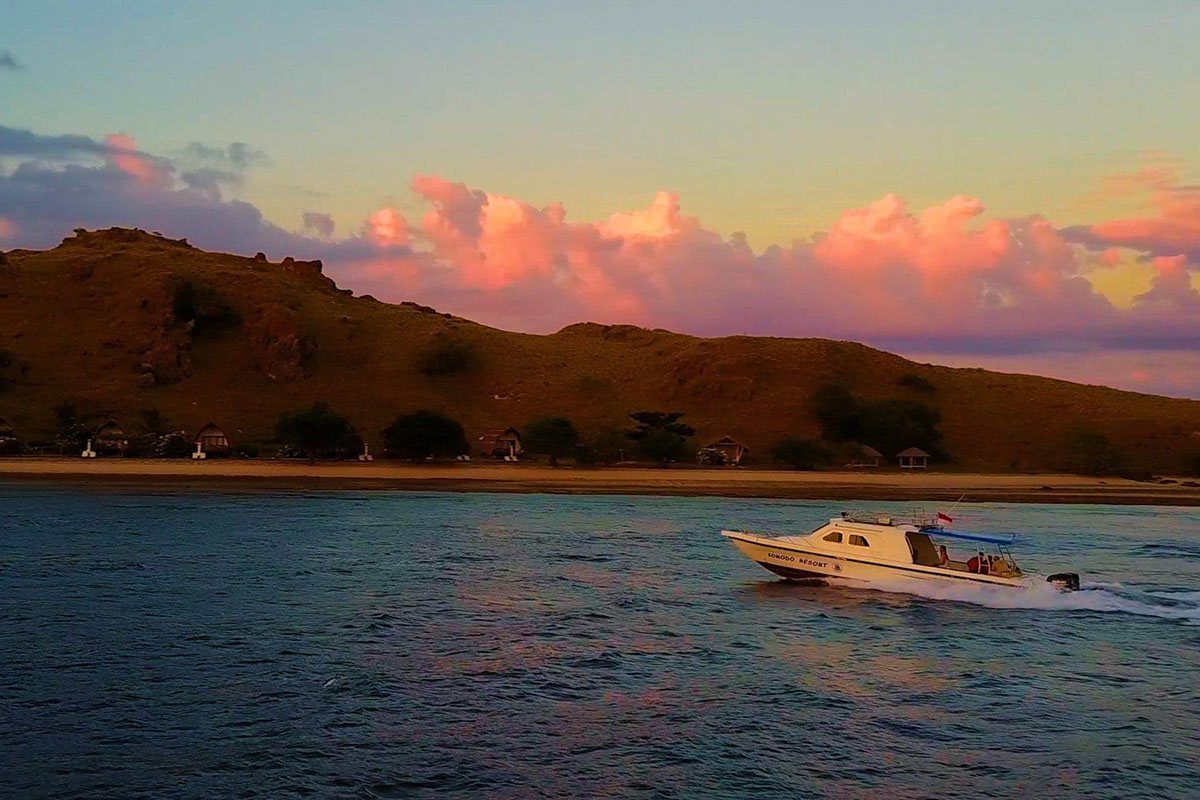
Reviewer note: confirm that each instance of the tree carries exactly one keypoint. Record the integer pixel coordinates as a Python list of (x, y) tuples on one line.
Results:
[(888, 425), (422, 434), (73, 429), (802, 454), (607, 446), (660, 436), (154, 421), (895, 424), (317, 432), (555, 437), (8, 369), (1089, 452), (838, 412)]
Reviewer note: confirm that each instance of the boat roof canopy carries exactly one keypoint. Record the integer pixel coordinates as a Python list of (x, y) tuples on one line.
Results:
[(990, 538)]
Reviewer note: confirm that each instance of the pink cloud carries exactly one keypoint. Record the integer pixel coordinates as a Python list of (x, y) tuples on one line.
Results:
[(1170, 288), (122, 151), (881, 272), (8, 228), (387, 226), (1174, 230)]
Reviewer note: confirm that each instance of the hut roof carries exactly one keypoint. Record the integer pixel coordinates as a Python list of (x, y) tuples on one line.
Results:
[(211, 427), (870, 452), (110, 428), (913, 452), (728, 441), (495, 433)]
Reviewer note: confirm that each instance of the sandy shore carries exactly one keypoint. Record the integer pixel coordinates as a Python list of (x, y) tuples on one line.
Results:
[(492, 477)]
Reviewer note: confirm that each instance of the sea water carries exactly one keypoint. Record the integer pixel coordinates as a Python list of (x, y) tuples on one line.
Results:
[(386, 644)]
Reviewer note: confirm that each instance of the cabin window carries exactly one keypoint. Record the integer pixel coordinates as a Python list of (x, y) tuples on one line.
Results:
[(836, 536), (858, 540)]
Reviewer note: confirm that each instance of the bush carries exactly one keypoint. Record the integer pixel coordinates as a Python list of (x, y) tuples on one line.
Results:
[(446, 356), (423, 434), (73, 429), (317, 432), (804, 454), (173, 445)]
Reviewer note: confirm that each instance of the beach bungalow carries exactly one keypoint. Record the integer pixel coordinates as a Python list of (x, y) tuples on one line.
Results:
[(866, 457), (8, 438), (503, 443), (110, 438), (913, 458), (212, 441), (732, 451)]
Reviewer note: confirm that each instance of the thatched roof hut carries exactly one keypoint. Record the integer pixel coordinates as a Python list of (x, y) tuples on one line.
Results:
[(913, 458), (110, 438), (731, 450), (866, 456), (212, 439), (501, 443)]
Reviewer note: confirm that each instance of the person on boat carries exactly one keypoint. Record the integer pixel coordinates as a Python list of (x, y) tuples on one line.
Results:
[(973, 564), (943, 556)]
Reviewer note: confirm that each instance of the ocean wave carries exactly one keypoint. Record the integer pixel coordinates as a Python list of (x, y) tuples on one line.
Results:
[(1106, 598)]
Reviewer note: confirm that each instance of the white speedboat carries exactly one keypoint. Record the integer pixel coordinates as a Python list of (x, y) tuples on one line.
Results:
[(868, 547)]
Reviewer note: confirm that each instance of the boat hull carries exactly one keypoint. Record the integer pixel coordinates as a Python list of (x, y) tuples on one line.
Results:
[(794, 561)]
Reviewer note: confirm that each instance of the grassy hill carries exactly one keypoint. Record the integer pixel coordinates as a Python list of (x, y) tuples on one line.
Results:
[(119, 321)]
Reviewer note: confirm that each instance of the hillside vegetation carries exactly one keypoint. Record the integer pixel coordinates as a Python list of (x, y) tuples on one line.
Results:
[(119, 322)]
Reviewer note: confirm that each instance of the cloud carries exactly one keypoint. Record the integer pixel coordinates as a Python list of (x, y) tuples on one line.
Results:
[(237, 156), (943, 279), (318, 224), (22, 143), (9, 61), (1173, 230)]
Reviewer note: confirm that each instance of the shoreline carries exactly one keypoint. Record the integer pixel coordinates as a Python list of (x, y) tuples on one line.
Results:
[(531, 478)]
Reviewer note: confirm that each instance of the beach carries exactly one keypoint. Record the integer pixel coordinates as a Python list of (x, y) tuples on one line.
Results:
[(679, 481)]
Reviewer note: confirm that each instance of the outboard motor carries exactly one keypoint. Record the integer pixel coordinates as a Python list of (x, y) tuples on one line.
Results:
[(1065, 581)]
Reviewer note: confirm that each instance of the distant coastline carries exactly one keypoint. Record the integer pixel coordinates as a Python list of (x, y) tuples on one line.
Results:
[(530, 478)]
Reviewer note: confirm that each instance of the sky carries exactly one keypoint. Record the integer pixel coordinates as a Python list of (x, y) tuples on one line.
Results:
[(1007, 185)]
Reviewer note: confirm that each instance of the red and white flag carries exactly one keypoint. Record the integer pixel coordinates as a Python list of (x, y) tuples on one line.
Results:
[(943, 518)]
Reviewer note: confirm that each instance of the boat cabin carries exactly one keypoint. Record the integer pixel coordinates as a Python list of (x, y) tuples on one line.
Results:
[(880, 538)]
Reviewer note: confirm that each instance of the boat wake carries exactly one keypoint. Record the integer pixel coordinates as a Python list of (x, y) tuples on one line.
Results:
[(1108, 598)]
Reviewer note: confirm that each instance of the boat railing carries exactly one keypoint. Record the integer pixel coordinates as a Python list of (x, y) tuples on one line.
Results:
[(918, 518)]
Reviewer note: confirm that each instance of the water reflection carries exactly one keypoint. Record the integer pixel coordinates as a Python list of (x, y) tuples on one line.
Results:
[(399, 645)]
